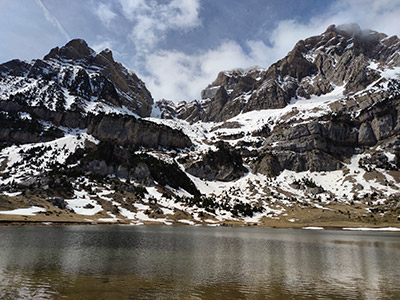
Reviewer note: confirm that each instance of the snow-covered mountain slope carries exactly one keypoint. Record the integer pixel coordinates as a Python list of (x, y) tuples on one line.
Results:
[(312, 140), (75, 78)]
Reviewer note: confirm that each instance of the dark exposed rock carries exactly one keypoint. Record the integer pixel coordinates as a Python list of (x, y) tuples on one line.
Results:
[(337, 139), (20, 130), (382, 126), (122, 172), (58, 202), (99, 167), (89, 206), (267, 164), (222, 165), (376, 160), (126, 130), (15, 67), (74, 50), (214, 107), (140, 172), (314, 161), (366, 135), (109, 159)]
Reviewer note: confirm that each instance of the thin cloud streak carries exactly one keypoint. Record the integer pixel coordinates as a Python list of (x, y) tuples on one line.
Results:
[(51, 19)]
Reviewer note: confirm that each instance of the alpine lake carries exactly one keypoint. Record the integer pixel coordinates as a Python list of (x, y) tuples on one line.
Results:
[(186, 262)]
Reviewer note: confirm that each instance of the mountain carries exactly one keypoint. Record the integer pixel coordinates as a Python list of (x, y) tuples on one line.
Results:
[(341, 56), (311, 140), (79, 78)]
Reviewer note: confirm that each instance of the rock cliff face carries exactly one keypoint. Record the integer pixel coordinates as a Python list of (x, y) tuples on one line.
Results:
[(129, 131), (125, 130)]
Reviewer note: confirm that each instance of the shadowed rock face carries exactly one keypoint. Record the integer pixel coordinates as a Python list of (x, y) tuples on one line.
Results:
[(124, 130), (224, 165), (74, 50), (129, 131)]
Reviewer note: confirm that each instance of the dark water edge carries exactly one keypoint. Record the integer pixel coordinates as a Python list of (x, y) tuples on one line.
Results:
[(184, 262)]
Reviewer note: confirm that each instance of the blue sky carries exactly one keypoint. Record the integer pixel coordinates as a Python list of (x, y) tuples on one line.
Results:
[(178, 46)]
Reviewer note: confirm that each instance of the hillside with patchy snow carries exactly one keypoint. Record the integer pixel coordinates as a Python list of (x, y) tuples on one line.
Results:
[(311, 141)]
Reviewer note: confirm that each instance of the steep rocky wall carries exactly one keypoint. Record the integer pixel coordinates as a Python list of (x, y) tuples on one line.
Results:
[(129, 131), (122, 129)]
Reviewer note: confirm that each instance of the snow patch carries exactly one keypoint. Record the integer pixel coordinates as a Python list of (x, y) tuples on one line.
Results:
[(31, 211)]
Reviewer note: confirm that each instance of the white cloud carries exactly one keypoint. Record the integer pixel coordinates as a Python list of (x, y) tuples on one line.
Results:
[(105, 14), (153, 20), (178, 76), (103, 44), (382, 15), (184, 13)]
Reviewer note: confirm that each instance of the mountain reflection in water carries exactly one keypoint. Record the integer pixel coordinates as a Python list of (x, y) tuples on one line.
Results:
[(182, 262)]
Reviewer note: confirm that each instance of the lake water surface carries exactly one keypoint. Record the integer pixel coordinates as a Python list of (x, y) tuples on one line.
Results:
[(182, 262)]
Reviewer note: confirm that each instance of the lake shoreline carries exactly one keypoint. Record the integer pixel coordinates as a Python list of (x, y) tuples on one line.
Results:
[(348, 226)]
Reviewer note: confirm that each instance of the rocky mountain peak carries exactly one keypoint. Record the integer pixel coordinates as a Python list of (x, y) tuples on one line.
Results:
[(106, 54), (75, 49), (354, 31), (342, 56), (345, 29), (75, 77), (79, 52)]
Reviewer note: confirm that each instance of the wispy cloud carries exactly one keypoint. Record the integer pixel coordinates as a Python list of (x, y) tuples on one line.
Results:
[(177, 76), (103, 44), (152, 20), (105, 14), (53, 20)]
